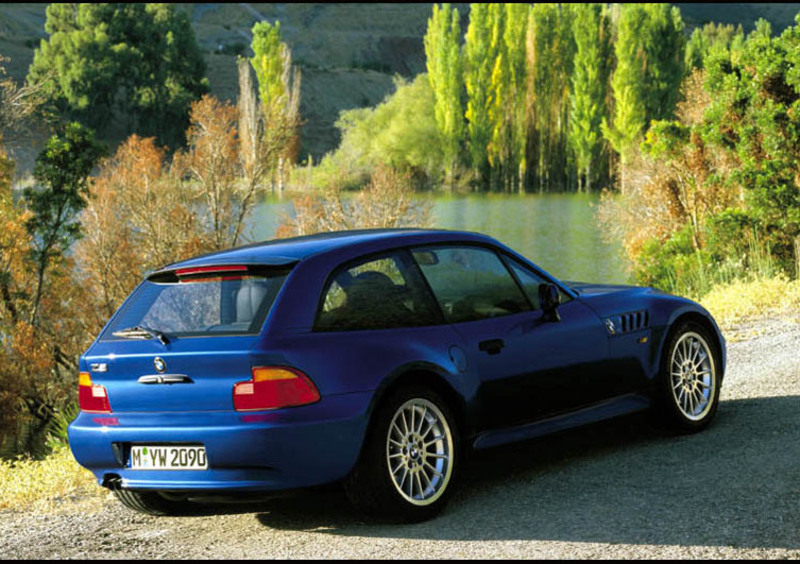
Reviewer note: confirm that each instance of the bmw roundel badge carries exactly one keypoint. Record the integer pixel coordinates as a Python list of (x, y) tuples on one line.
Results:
[(159, 364)]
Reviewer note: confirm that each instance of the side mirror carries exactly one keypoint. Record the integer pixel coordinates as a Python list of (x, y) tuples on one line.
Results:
[(549, 299)]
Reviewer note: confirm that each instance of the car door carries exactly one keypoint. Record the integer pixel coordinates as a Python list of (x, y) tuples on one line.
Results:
[(529, 368)]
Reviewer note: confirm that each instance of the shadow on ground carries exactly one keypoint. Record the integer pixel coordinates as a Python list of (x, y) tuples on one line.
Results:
[(736, 484)]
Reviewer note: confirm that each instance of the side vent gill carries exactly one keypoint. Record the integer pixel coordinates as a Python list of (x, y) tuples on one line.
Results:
[(628, 322)]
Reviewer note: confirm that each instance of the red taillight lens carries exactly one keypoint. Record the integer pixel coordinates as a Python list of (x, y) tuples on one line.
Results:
[(274, 387), (92, 397)]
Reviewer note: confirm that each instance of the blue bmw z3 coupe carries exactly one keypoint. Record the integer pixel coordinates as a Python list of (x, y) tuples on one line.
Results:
[(373, 358)]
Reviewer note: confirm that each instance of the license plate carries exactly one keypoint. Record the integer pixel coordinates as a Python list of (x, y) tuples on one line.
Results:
[(168, 458)]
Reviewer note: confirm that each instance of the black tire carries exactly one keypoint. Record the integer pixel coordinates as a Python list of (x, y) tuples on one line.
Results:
[(669, 413), (153, 503), (371, 487)]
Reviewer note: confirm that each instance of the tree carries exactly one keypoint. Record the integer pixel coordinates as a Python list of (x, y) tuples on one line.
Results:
[(711, 39), (650, 52), (17, 104), (628, 82), (443, 59), (61, 170), (136, 62), (401, 132), (211, 161), (139, 218), (664, 44), (515, 31), (588, 108), (479, 63), (499, 95), (387, 201), (550, 53), (279, 92)]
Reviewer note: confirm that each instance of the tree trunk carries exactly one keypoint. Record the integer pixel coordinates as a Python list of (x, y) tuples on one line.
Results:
[(588, 182), (797, 257)]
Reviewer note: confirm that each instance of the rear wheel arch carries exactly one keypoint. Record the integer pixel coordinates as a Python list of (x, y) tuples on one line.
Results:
[(429, 377)]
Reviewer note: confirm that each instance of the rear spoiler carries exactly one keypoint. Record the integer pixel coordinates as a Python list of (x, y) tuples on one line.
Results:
[(219, 272)]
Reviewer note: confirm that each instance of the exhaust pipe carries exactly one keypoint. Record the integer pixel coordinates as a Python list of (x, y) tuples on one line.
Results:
[(112, 481)]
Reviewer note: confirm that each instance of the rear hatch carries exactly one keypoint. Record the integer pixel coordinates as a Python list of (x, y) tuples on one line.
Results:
[(184, 338)]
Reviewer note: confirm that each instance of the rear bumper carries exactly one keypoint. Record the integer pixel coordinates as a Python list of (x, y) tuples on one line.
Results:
[(259, 451)]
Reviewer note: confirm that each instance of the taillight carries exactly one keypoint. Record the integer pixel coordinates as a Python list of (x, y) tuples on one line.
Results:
[(92, 397), (274, 387)]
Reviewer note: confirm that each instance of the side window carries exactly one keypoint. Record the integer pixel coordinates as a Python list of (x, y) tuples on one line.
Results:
[(530, 281), (470, 283), (380, 293)]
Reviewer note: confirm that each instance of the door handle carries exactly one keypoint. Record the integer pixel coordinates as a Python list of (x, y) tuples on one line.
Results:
[(492, 346)]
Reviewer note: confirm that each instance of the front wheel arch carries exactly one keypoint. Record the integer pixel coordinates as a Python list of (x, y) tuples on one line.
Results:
[(707, 324)]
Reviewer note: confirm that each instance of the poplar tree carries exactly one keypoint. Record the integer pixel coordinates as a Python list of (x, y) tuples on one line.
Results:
[(443, 53), (499, 142), (550, 52), (664, 45), (589, 79), (515, 32), (650, 51), (628, 82), (278, 91), (478, 67)]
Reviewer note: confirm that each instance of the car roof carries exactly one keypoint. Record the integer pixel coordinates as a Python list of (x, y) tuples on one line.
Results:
[(281, 252)]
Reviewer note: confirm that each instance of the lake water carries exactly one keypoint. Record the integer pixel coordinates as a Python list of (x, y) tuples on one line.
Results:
[(558, 232)]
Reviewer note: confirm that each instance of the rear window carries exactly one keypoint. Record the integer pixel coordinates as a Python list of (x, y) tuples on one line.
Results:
[(202, 304)]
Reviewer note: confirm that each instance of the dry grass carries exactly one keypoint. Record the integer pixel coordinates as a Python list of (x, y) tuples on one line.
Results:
[(740, 301), (47, 484)]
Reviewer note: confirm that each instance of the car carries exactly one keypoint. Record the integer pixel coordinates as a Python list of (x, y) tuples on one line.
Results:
[(375, 359)]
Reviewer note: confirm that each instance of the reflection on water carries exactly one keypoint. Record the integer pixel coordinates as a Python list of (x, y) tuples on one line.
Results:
[(558, 231)]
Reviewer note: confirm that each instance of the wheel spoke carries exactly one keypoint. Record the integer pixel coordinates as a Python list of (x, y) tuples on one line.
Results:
[(405, 423), (434, 470), (431, 427), (701, 398), (435, 440), (696, 348), (427, 479), (702, 356), (422, 420), (419, 485), (405, 475)]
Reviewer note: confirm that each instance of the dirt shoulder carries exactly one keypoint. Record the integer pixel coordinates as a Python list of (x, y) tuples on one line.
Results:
[(614, 490)]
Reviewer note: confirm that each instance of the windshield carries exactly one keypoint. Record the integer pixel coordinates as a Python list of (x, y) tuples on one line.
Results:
[(204, 304)]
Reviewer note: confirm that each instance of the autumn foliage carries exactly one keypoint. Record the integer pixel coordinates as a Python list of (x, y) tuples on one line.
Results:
[(388, 200)]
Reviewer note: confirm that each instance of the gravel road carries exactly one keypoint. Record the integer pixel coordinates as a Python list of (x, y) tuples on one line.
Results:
[(614, 490)]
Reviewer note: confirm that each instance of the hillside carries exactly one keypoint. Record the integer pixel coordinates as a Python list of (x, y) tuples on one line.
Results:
[(348, 52)]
